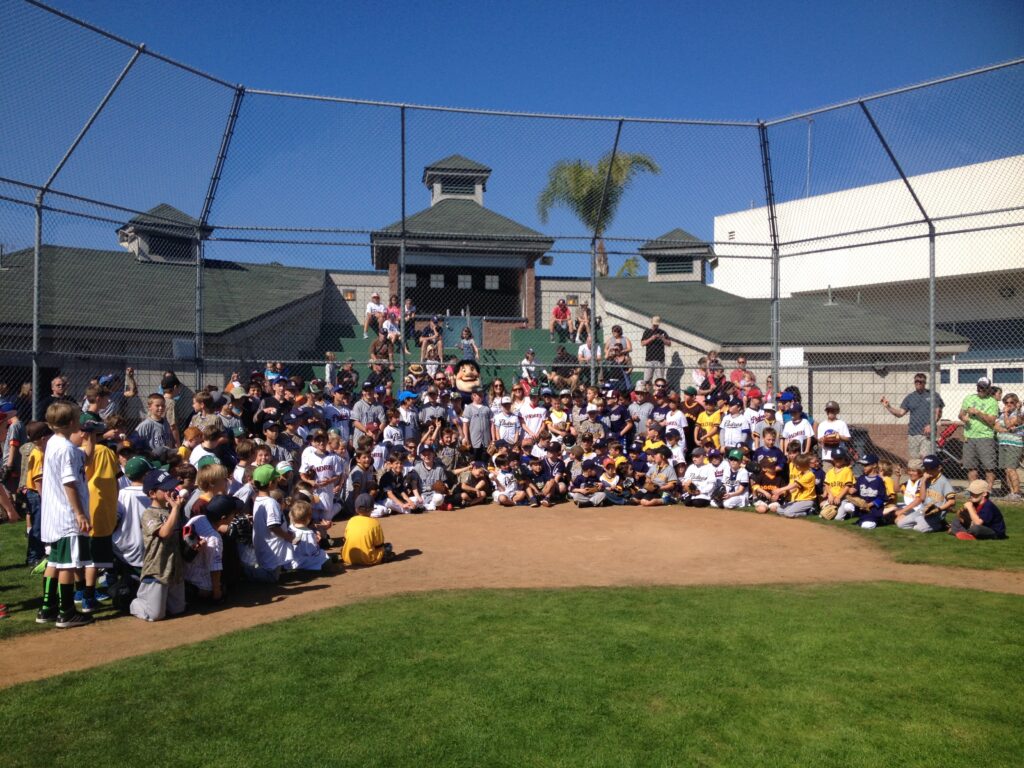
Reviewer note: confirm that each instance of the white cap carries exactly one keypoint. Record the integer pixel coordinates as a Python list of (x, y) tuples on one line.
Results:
[(505, 400), (591, 407), (769, 406)]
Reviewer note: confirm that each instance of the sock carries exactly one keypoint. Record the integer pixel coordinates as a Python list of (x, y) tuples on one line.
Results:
[(67, 599), (79, 586), (90, 593), (49, 594)]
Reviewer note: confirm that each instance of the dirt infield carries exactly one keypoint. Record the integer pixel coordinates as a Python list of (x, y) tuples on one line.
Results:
[(496, 547)]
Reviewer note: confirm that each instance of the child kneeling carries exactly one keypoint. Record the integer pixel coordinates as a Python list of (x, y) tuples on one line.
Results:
[(162, 591)]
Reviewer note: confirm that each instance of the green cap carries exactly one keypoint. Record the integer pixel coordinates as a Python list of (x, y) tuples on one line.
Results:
[(264, 474), (136, 468), (88, 416), (735, 453), (690, 391), (207, 461)]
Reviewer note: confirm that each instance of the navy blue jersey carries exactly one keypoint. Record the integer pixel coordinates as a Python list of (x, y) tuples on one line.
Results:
[(872, 489)]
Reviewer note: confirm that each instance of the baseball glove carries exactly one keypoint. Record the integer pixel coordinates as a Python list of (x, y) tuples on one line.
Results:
[(930, 510), (440, 487), (829, 511), (858, 502)]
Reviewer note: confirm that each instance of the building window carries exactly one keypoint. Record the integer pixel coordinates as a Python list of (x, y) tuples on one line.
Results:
[(456, 186), (410, 280), (1008, 375), (970, 375), (675, 265), (437, 281), (944, 376), (465, 282), (491, 282)]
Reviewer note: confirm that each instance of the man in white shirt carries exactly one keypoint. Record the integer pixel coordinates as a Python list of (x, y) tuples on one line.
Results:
[(375, 312)]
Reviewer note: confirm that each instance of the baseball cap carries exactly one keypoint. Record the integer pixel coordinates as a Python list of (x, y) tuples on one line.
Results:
[(136, 467), (501, 444), (283, 468), (555, 447), (367, 385), (796, 410), (601, 443), (714, 453), (374, 294), (316, 386), (207, 461), (868, 459), (736, 453), (671, 433), (529, 351), (640, 387), (698, 452), (589, 464), (735, 401), (426, 448), (754, 392), (608, 462), (984, 381), (380, 389), (91, 427), (546, 391), (158, 480), (84, 418), (931, 461), (364, 501), (105, 379), (842, 453), (915, 464), (768, 406), (591, 407), (786, 397), (564, 392), (690, 391), (977, 487), (222, 505), (478, 465), (506, 400), (832, 405), (636, 447), (264, 474)]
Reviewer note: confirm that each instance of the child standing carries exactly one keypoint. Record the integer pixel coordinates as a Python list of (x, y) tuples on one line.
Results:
[(101, 472), (162, 591), (65, 518)]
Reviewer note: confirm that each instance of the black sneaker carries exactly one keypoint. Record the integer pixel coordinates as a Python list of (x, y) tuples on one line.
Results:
[(73, 620), (45, 617)]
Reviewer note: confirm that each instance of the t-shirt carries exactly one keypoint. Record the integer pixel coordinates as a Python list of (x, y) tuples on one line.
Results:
[(640, 413), (127, 537), (734, 479), (702, 476), (918, 405), (508, 426), (477, 418), (101, 471), (162, 559), (306, 552), (62, 464), (374, 308), (198, 454), (198, 570), (364, 541), (707, 421), (157, 436), (430, 475), (794, 431), (975, 428), (774, 453), (838, 478), (616, 419), (271, 550), (656, 349), (839, 427), (325, 466), (992, 517), (1015, 435), (533, 417), (805, 487), (735, 429), (33, 473), (938, 490), (661, 476)]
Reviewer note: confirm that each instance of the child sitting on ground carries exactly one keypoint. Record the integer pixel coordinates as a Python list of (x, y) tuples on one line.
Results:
[(306, 552), (911, 513), (979, 518), (364, 536), (506, 486), (800, 489), (839, 485), (766, 484), (871, 495)]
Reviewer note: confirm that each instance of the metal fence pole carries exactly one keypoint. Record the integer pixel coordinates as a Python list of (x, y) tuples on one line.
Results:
[(598, 232), (402, 362), (36, 254), (202, 228), (932, 361), (769, 195)]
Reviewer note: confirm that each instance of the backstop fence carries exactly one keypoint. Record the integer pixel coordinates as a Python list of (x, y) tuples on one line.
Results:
[(156, 217)]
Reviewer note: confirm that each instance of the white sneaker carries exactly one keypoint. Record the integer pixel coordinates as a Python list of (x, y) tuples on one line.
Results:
[(365, 336)]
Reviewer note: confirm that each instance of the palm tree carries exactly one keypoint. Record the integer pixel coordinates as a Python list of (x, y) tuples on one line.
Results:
[(579, 186), (630, 268)]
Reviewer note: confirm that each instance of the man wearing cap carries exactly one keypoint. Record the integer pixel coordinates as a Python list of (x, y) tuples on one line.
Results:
[(979, 413), (654, 340), (375, 312), (560, 321), (918, 405), (832, 432)]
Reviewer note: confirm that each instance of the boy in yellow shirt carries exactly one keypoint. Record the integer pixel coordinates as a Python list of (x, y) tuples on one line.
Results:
[(839, 483), (364, 537), (708, 424), (802, 494), (37, 432), (101, 471)]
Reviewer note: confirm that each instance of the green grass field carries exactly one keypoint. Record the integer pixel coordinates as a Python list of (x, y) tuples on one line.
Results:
[(856, 675), (942, 549)]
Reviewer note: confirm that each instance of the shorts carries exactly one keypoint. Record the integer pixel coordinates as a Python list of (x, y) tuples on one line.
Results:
[(101, 548), (918, 446), (979, 453), (70, 552), (1010, 456)]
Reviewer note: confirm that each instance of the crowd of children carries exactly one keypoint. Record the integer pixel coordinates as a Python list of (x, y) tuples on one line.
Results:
[(173, 504)]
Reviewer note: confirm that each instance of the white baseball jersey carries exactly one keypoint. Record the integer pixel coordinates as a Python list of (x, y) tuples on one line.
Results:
[(131, 503), (508, 425), (839, 427), (210, 556), (63, 463), (271, 551)]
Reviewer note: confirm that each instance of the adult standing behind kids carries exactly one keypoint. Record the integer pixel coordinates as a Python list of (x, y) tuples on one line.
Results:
[(979, 413), (654, 341), (918, 404)]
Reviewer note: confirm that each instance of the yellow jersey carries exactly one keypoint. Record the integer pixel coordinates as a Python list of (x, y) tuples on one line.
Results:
[(836, 479), (101, 473), (804, 487), (708, 421), (34, 479), (364, 541)]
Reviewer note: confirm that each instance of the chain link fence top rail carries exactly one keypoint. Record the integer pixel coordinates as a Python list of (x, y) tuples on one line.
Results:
[(157, 216)]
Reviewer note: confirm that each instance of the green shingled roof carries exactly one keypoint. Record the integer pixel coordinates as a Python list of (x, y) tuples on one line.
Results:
[(456, 163), (728, 320), (677, 238), (466, 218), (125, 294)]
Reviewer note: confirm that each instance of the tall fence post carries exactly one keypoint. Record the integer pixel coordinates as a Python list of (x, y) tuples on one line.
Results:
[(769, 195), (598, 232), (932, 357), (202, 229), (402, 362)]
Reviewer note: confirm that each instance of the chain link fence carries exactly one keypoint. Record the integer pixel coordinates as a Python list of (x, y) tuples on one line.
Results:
[(155, 217)]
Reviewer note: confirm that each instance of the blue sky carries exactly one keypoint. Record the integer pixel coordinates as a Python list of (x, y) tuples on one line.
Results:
[(300, 164)]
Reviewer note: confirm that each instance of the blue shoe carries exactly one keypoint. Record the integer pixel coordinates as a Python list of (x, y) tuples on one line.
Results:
[(89, 605), (79, 597), (103, 598)]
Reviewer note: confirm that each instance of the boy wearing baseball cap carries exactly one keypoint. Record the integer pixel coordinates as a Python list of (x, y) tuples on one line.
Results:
[(364, 536), (979, 518), (871, 494), (271, 538), (162, 591), (939, 496)]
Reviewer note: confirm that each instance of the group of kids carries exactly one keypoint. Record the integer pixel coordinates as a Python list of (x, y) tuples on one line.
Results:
[(250, 491)]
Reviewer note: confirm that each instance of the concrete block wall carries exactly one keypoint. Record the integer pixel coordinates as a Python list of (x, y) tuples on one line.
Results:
[(337, 309)]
